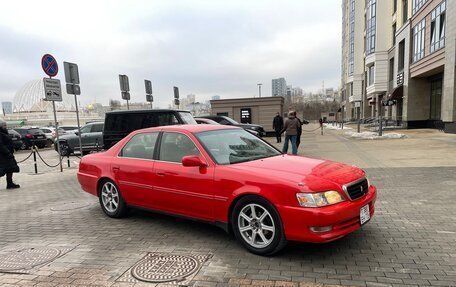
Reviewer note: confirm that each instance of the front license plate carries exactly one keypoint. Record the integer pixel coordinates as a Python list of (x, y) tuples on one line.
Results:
[(364, 214)]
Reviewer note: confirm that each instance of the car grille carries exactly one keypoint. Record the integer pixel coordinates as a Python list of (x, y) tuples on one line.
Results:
[(357, 189)]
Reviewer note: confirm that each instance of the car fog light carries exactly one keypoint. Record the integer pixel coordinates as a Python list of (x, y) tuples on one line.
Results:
[(320, 229)]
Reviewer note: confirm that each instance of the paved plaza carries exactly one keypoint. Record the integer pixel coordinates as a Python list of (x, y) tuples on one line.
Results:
[(411, 240)]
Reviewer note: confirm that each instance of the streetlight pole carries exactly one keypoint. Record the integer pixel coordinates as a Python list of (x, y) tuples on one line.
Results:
[(259, 89)]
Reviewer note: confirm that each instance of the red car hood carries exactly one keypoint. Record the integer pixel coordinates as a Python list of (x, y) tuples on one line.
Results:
[(315, 174)]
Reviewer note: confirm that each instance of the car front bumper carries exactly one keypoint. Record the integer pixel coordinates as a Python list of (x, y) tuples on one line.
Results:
[(344, 218)]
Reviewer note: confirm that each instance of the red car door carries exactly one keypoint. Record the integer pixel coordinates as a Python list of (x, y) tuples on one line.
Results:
[(183, 190), (133, 170)]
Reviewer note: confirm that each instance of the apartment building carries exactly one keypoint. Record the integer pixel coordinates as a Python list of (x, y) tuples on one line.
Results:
[(408, 56), (279, 87)]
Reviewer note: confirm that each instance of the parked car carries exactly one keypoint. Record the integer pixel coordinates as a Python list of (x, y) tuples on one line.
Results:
[(119, 124), (17, 141), (203, 121), (224, 120), (69, 128), (51, 134), (32, 136), (91, 139), (228, 177)]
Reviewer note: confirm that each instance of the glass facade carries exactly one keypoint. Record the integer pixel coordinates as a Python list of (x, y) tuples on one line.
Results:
[(418, 41), (351, 47), (416, 5), (438, 27), (370, 25)]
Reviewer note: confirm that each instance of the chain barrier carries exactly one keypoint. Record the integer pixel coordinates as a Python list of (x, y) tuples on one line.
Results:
[(21, 161), (52, 166)]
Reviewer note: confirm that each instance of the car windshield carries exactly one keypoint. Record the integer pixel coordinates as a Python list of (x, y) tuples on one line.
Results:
[(229, 120), (234, 146), (187, 118)]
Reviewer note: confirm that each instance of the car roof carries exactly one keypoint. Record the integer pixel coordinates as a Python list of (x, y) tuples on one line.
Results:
[(190, 128), (142, 111)]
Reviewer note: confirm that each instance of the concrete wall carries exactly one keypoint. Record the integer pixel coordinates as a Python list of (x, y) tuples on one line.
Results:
[(418, 99), (449, 92)]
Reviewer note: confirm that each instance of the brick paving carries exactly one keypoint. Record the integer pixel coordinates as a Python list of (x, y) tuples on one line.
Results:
[(411, 241)]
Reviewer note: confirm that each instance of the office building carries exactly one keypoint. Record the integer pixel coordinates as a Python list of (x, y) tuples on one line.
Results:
[(279, 87)]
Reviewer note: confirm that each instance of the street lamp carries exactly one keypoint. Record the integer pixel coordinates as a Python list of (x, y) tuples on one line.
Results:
[(259, 89)]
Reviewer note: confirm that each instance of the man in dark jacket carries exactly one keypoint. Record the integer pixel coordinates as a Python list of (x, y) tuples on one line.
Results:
[(277, 125), (291, 131), (298, 136), (8, 163)]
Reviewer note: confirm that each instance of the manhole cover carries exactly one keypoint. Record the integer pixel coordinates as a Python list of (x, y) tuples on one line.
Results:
[(165, 268), (70, 206), (27, 258)]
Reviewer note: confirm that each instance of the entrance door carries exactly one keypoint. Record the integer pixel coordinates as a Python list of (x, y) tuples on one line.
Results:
[(436, 99)]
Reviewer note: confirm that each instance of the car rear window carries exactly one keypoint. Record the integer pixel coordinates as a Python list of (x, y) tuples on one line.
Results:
[(35, 131), (187, 118)]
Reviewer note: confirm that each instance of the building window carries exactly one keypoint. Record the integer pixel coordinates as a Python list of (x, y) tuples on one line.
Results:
[(438, 27), (371, 75), (370, 26), (401, 62), (416, 5), (394, 34), (418, 41), (391, 73), (351, 52), (394, 6), (404, 11)]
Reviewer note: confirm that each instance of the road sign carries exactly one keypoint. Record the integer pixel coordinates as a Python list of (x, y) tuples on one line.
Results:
[(52, 90), (176, 102), (71, 73), (124, 85), (149, 98), (176, 92), (73, 89), (126, 96), (49, 65), (148, 87)]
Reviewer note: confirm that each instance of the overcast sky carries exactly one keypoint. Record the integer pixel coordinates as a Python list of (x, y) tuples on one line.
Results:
[(205, 48)]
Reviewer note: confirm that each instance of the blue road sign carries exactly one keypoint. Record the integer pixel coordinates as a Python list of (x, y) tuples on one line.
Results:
[(49, 65)]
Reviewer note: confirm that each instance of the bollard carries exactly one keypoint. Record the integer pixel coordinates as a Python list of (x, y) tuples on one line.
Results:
[(359, 125), (321, 129), (68, 160), (34, 160)]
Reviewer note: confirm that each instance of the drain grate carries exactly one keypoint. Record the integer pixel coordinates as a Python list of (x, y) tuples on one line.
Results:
[(27, 258), (165, 268)]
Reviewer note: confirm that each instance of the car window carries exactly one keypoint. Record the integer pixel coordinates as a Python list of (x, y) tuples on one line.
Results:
[(187, 118), (46, 131), (234, 146), (97, 128), (166, 119), (140, 146), (86, 129), (174, 146)]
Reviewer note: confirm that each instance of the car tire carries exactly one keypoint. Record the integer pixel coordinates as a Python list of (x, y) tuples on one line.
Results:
[(111, 200), (23, 146), (49, 142), (64, 149), (261, 234)]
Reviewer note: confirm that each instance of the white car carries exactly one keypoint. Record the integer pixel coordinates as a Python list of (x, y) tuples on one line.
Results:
[(51, 134), (69, 129)]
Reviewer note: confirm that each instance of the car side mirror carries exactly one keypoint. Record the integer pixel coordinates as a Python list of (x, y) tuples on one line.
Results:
[(76, 133), (193, 160)]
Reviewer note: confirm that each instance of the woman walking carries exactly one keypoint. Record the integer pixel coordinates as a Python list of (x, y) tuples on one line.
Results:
[(291, 133), (8, 164)]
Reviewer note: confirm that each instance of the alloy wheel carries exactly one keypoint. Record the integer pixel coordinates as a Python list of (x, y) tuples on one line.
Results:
[(256, 225), (110, 197)]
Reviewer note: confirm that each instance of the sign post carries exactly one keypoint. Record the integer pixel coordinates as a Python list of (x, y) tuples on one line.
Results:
[(125, 88), (52, 92), (149, 96), (72, 87), (176, 96)]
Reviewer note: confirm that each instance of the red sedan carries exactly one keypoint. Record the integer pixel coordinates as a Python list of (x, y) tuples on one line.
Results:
[(228, 177)]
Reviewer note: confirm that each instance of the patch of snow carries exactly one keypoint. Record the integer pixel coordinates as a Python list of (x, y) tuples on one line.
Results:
[(335, 127), (374, 135)]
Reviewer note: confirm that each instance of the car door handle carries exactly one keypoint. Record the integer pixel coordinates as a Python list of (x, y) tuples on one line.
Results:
[(115, 168), (160, 173)]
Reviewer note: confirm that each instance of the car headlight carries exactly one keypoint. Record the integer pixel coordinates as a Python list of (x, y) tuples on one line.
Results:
[(319, 199)]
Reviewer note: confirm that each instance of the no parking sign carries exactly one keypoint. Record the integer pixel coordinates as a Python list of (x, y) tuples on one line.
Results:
[(49, 65)]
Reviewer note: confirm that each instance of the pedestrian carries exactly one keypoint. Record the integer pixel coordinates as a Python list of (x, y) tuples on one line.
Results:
[(277, 125), (291, 133), (321, 122), (298, 136), (8, 164)]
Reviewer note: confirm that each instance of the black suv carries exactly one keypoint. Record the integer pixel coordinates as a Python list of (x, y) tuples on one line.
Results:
[(17, 141), (119, 124), (32, 136), (224, 120)]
